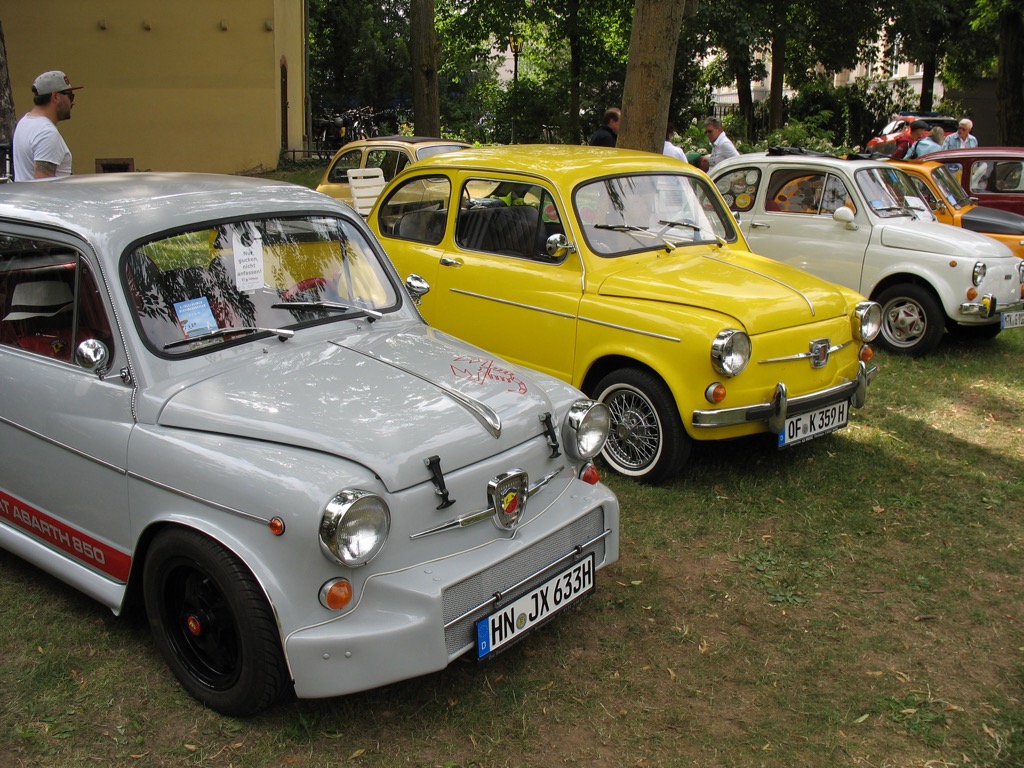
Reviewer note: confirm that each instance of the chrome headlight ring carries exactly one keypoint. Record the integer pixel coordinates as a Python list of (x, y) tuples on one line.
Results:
[(978, 275), (730, 352), (867, 321), (585, 428), (354, 526)]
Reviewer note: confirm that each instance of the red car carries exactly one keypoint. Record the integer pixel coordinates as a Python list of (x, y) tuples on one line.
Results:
[(993, 175), (900, 125)]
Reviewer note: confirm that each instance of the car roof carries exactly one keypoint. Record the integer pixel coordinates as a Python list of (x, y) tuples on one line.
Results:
[(797, 159), (569, 162), (119, 208), (979, 153), (405, 140)]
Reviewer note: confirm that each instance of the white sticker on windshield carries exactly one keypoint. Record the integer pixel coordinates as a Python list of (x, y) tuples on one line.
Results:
[(248, 253)]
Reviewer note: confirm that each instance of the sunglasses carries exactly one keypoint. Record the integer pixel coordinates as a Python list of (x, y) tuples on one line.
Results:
[(69, 94)]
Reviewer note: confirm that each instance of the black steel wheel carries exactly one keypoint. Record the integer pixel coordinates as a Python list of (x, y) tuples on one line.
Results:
[(647, 439), (212, 624)]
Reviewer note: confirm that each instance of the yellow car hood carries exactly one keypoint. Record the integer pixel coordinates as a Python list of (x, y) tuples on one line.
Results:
[(763, 295)]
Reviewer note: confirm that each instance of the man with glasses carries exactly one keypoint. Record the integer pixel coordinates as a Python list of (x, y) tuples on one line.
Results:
[(722, 147), (40, 152), (963, 138)]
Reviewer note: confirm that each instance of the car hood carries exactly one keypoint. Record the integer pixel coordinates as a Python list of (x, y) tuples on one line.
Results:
[(384, 400), (933, 237), (760, 293), (992, 221)]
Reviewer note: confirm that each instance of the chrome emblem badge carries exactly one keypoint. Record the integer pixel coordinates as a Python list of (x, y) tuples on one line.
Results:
[(507, 494), (819, 353)]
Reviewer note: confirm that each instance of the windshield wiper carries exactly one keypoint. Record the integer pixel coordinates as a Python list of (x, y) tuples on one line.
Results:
[(330, 306), (621, 227), (901, 208), (672, 245), (281, 333)]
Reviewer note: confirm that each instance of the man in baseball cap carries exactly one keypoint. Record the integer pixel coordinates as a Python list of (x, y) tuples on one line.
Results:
[(40, 152)]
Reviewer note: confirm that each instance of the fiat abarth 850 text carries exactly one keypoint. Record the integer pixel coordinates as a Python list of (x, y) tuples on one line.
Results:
[(259, 437), (624, 273)]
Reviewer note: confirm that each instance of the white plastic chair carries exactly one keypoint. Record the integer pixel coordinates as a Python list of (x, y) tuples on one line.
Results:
[(365, 186)]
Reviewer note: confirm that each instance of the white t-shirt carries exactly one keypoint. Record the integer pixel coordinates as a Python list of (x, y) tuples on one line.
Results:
[(37, 138), (673, 151), (722, 149)]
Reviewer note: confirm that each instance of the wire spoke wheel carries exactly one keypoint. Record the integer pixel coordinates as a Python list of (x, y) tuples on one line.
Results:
[(647, 440)]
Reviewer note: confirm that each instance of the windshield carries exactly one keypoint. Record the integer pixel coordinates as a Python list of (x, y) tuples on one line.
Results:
[(195, 290), (887, 191), (625, 214), (949, 188)]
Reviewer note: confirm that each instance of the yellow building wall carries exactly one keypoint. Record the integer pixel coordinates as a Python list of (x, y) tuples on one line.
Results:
[(174, 85)]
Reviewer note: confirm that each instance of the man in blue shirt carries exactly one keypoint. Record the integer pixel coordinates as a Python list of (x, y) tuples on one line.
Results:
[(963, 138)]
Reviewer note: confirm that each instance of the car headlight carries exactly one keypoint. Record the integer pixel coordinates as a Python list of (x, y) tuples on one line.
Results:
[(730, 352), (979, 273), (867, 321), (354, 526), (586, 428)]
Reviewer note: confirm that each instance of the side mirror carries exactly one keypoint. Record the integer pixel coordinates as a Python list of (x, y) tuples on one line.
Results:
[(93, 355), (558, 246), (417, 287), (844, 216)]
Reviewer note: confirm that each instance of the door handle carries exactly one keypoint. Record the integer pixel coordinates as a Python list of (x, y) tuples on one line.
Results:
[(449, 262), (759, 225)]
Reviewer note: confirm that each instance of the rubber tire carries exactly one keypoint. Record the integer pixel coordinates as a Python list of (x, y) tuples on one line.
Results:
[(920, 311), (234, 665), (642, 408)]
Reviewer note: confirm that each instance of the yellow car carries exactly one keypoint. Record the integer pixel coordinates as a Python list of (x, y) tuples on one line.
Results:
[(624, 273), (389, 153), (952, 205)]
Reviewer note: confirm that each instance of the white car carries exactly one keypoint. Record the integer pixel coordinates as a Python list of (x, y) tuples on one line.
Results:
[(219, 401), (853, 222)]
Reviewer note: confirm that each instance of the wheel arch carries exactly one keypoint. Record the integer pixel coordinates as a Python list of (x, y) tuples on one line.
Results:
[(904, 278)]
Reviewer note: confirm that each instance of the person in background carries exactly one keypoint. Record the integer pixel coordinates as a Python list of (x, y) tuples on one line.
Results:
[(608, 133), (39, 151), (926, 144), (670, 148), (721, 147), (918, 130), (963, 138)]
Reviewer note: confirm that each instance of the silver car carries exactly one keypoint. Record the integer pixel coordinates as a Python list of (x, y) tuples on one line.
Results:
[(218, 401)]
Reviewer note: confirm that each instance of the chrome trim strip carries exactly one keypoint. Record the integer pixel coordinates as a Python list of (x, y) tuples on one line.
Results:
[(629, 330), (803, 296), (831, 350), (485, 415), (512, 303), (497, 596), (200, 499), (68, 448), (484, 514)]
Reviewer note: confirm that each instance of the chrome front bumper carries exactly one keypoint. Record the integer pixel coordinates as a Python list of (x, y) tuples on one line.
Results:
[(782, 406), (988, 307)]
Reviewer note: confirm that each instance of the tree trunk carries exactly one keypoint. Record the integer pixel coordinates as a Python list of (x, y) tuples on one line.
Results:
[(6, 95), (426, 95), (648, 88), (1010, 78), (928, 83), (745, 99), (778, 80)]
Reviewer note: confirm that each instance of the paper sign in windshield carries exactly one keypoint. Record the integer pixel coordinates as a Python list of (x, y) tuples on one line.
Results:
[(248, 253), (195, 317)]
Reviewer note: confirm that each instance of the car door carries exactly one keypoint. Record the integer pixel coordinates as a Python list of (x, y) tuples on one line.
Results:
[(497, 286), (790, 219), (63, 428)]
